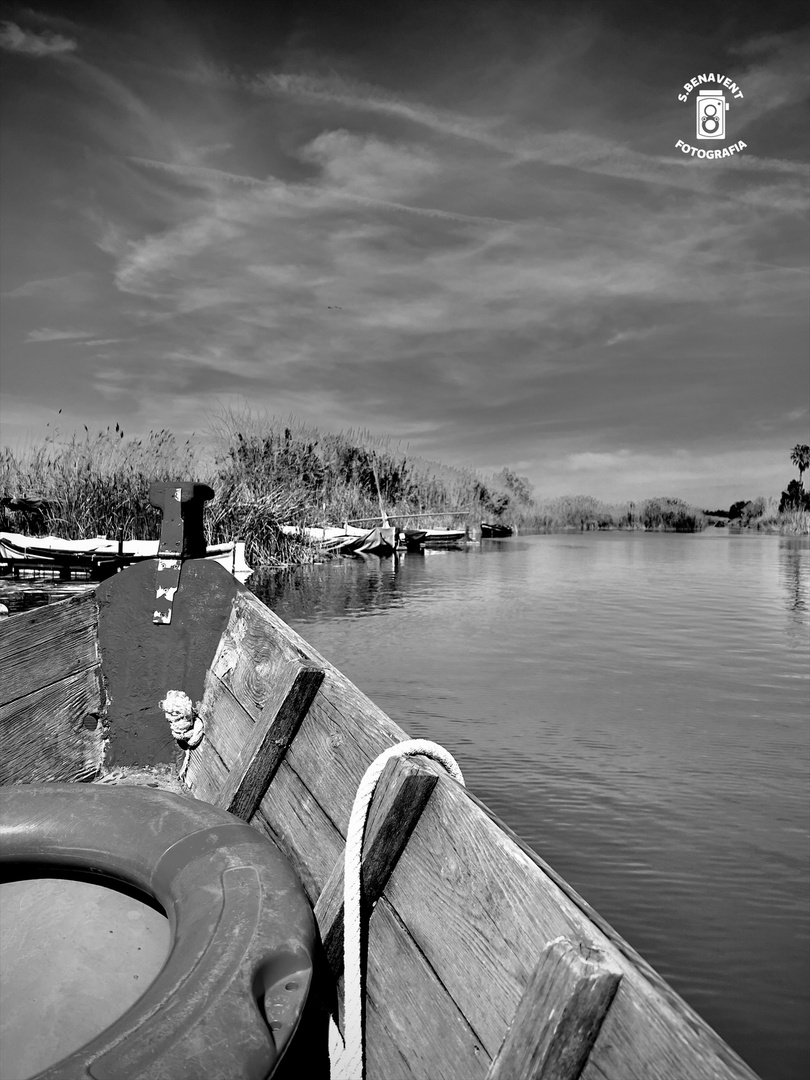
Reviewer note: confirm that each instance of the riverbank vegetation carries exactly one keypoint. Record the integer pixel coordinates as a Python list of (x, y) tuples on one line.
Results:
[(267, 473)]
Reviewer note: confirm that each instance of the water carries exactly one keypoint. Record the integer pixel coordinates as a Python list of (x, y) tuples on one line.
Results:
[(636, 708)]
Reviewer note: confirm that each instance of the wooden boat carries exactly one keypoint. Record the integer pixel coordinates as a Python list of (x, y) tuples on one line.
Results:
[(492, 530), (330, 538), (101, 557), (481, 962), (441, 537), (411, 539), (346, 539)]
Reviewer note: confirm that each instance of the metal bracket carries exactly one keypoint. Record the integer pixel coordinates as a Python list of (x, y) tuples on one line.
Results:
[(181, 537)]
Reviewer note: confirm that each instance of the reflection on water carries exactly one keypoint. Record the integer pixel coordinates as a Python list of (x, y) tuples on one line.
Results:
[(636, 708), (793, 563)]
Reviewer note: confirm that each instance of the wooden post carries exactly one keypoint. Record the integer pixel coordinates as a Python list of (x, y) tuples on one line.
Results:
[(402, 794), (261, 754), (559, 1016)]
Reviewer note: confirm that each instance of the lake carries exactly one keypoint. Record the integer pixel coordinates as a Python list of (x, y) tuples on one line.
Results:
[(636, 707)]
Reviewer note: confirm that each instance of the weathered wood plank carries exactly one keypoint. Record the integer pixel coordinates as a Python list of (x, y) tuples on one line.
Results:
[(646, 1035), (227, 724), (253, 654), (54, 733), (206, 772), (402, 794), (303, 829), (261, 754), (559, 1016), (478, 907), (479, 910), (414, 1029), (43, 646)]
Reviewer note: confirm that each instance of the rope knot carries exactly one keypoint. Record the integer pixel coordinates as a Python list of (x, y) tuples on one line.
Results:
[(187, 727)]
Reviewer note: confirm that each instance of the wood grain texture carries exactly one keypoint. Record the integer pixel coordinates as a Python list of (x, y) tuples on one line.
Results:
[(402, 794), (467, 911), (559, 1016), (262, 752), (304, 831), (414, 1029), (55, 733), (43, 646)]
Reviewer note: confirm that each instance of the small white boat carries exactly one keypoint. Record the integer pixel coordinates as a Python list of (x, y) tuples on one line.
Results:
[(99, 552)]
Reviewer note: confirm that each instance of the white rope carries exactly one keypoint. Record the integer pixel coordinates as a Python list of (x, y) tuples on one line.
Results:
[(187, 727), (347, 1055)]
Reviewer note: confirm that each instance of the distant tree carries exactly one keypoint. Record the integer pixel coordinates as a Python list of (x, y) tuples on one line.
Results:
[(735, 510), (800, 456), (795, 498), (519, 486)]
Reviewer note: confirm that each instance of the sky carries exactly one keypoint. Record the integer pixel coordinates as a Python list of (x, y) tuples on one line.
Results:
[(466, 226)]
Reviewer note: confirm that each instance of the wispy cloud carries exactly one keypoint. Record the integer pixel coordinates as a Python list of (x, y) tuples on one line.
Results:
[(504, 258), (15, 39), (45, 335)]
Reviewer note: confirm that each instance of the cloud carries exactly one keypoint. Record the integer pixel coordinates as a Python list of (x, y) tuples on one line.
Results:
[(45, 335), (778, 73), (74, 286), (482, 259), (630, 335), (356, 95), (14, 39)]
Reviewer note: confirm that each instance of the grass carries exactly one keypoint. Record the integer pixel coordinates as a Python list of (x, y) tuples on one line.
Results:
[(267, 473), (585, 513), (264, 474)]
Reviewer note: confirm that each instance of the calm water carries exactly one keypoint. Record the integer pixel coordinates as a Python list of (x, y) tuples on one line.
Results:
[(636, 707)]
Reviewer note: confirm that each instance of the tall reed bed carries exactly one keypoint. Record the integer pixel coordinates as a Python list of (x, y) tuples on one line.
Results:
[(351, 476), (587, 513), (95, 485), (98, 485), (264, 474)]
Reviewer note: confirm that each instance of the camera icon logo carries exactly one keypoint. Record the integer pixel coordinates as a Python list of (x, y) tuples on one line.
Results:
[(711, 114)]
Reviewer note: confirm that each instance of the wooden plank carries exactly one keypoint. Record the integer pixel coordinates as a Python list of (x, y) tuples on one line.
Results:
[(253, 653), (304, 831), (646, 1035), (414, 1029), (260, 756), (476, 906), (43, 646), (559, 1016), (55, 733), (206, 772), (402, 794), (227, 724)]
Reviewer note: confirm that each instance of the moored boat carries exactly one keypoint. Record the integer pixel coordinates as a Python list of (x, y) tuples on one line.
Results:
[(101, 556), (441, 537), (345, 539), (481, 961), (494, 531)]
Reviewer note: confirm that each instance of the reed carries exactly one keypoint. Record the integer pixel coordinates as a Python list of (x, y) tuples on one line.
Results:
[(340, 477), (95, 485), (264, 474), (268, 473)]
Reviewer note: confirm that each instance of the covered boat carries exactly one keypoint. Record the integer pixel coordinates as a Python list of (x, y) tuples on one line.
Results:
[(492, 530), (481, 963)]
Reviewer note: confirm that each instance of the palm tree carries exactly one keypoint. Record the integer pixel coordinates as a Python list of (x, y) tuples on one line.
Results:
[(800, 456)]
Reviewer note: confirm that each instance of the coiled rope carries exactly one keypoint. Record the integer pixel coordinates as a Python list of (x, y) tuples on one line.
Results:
[(187, 726), (347, 1055)]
